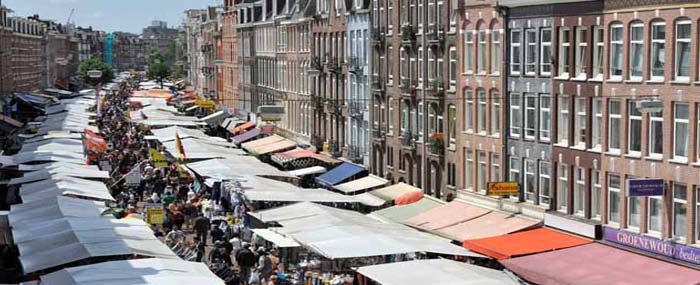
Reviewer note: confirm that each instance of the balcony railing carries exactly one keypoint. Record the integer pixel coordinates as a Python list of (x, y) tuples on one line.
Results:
[(408, 34), (436, 143), (408, 86), (378, 36), (316, 63), (435, 88), (378, 83), (408, 140), (356, 65)]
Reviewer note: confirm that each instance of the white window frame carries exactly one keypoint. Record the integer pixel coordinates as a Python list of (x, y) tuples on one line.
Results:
[(516, 52), (581, 130), (495, 52), (618, 28), (516, 110), (678, 41), (530, 48), (579, 204), (419, 125), (658, 46), (676, 123), (630, 200), (481, 52), (391, 116), (545, 61), (452, 128), (611, 132), (673, 210), (532, 173), (545, 181), (656, 118), (564, 70), (563, 188), (513, 172), (495, 167), (495, 113), (581, 68), (636, 47), (469, 169), (468, 110), (481, 109), (660, 201), (618, 192), (563, 120), (452, 69), (468, 51), (530, 115), (630, 118), (597, 124), (598, 52), (545, 118), (482, 172), (596, 194)]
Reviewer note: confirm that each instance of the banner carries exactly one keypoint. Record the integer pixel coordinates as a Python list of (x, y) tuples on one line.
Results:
[(502, 188), (159, 159), (94, 142), (178, 145), (133, 178), (155, 216)]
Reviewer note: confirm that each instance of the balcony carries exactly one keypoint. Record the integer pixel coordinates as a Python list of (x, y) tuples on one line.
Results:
[(378, 135), (408, 87), (316, 64), (408, 35), (333, 65), (408, 140), (355, 154), (435, 88), (356, 65), (378, 37), (436, 36), (378, 83), (436, 144), (356, 109), (335, 107), (317, 101)]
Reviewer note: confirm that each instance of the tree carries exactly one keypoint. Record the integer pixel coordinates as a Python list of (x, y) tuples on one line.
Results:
[(158, 70), (95, 63)]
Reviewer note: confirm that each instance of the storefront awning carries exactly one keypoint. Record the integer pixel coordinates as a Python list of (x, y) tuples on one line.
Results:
[(249, 146), (230, 122), (446, 215), (244, 137), (390, 193), (400, 213), (435, 271), (241, 127), (524, 243), (364, 183), (11, 121), (216, 118), (596, 263), (275, 238), (307, 171), (339, 174), (282, 145), (489, 225)]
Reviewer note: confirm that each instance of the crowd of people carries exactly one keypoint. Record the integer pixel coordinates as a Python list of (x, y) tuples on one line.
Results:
[(195, 228)]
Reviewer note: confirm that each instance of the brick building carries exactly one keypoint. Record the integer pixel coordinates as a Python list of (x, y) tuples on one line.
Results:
[(229, 54), (22, 58)]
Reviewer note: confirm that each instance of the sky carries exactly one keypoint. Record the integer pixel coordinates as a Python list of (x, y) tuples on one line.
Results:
[(109, 15)]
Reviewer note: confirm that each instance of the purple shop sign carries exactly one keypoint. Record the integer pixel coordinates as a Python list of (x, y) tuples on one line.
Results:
[(645, 187), (653, 245)]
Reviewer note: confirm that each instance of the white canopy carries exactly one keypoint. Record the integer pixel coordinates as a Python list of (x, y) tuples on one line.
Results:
[(199, 149), (168, 134), (275, 238), (54, 135), (66, 240), (58, 144), (435, 271), (263, 189), (154, 271), (54, 208), (52, 165), (64, 186), (232, 167), (364, 183), (307, 171), (25, 157), (336, 233), (59, 171)]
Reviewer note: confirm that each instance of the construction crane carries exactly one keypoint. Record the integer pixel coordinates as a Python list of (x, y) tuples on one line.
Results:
[(70, 16)]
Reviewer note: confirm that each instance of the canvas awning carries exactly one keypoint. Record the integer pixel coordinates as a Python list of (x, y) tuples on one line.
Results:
[(435, 271), (596, 263), (54, 208), (287, 156), (168, 134), (368, 182), (275, 238), (216, 118), (201, 149), (489, 225), (401, 213), (524, 243), (232, 167), (59, 171), (390, 193), (269, 190), (241, 127), (446, 215), (273, 147), (339, 174), (244, 137), (307, 171), (154, 271), (262, 141), (230, 122), (64, 186)]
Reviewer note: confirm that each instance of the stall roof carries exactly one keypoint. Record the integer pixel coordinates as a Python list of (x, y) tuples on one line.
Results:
[(64, 186), (263, 189), (233, 167), (54, 208), (168, 134), (216, 118), (307, 171), (155, 271), (275, 238), (201, 149), (52, 165), (244, 137), (282, 145), (336, 233), (489, 225), (249, 146), (524, 243), (446, 215), (292, 155), (230, 123), (59, 171), (364, 183), (339, 174), (401, 213), (156, 122), (390, 193), (596, 263), (81, 238), (435, 271), (241, 127)]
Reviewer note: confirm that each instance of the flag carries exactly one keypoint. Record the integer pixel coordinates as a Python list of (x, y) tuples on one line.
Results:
[(159, 160), (180, 149), (94, 142)]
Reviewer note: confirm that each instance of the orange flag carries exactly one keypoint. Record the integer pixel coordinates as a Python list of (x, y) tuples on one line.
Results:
[(180, 149), (94, 142)]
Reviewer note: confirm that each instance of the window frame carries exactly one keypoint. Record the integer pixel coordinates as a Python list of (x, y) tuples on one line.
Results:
[(597, 124), (618, 192), (545, 181), (530, 195), (545, 126), (469, 52), (580, 122), (563, 136), (495, 120), (636, 46), (468, 110), (611, 132), (676, 53), (598, 52), (674, 201), (563, 188), (581, 62), (656, 45), (516, 111), (631, 116), (516, 52), (530, 46), (495, 52), (482, 45), (545, 61), (469, 169), (596, 194), (612, 55), (676, 122), (481, 109), (564, 66), (452, 68)]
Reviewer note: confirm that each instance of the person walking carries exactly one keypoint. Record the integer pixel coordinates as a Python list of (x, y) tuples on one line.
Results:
[(264, 265), (201, 246), (201, 227)]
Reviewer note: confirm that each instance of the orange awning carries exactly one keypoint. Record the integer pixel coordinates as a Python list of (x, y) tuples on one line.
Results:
[(524, 243), (189, 102), (244, 126)]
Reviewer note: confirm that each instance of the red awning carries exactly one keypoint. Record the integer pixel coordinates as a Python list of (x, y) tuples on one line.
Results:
[(524, 243), (596, 263), (296, 153), (242, 127)]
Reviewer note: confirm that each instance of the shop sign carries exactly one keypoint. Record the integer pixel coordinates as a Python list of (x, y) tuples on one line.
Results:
[(155, 216), (645, 187), (653, 245), (503, 188), (159, 160), (208, 104)]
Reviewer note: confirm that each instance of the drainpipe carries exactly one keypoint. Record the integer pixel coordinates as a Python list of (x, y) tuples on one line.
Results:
[(503, 11)]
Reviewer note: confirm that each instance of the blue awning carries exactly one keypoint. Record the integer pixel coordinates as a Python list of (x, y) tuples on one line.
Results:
[(339, 174), (38, 100), (244, 137)]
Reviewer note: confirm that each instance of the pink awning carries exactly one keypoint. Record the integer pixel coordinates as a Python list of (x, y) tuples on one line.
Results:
[(596, 263), (489, 225), (446, 215)]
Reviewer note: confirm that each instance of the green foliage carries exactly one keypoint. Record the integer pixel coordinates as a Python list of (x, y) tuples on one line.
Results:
[(158, 69), (97, 64)]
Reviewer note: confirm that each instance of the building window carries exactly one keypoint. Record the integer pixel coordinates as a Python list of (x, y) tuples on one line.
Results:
[(452, 121), (495, 113), (655, 215), (595, 194), (680, 210), (636, 51), (481, 111), (421, 68), (682, 53), (495, 52), (419, 124), (616, 57), (563, 124), (658, 50), (580, 191), (453, 68), (481, 172), (597, 134), (614, 126), (514, 172), (581, 118), (581, 49), (613, 199), (634, 128), (403, 64), (390, 65), (530, 115), (405, 111), (697, 215), (634, 212), (598, 44), (515, 115), (469, 169), (515, 53), (481, 52), (680, 131), (495, 167), (546, 52), (564, 46), (468, 110), (530, 182), (545, 183), (656, 134), (530, 52), (563, 188), (391, 116), (390, 17), (468, 51), (545, 118)]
